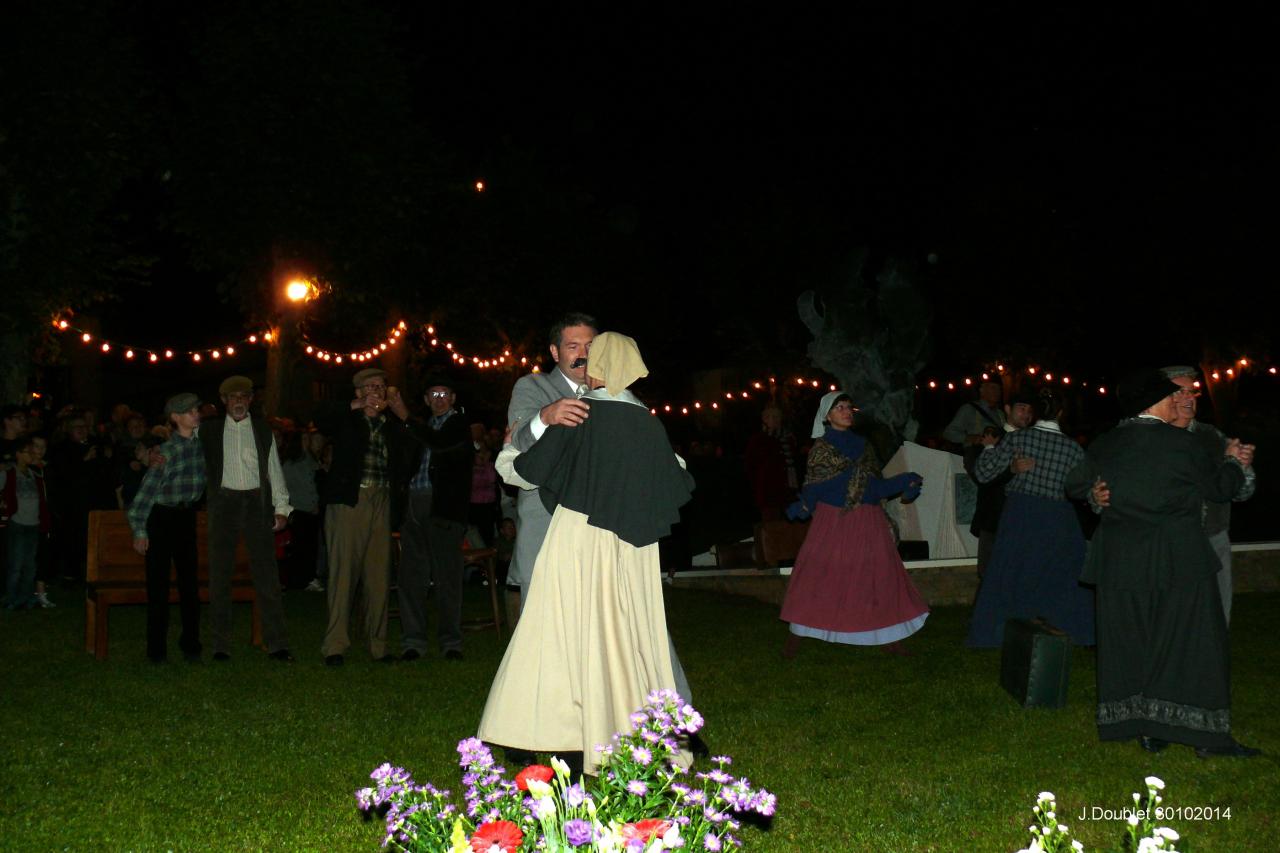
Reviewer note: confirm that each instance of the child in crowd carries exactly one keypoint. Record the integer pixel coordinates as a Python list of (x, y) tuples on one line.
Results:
[(26, 511), (163, 518)]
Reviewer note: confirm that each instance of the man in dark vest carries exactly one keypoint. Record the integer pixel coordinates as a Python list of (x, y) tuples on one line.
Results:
[(435, 523), (247, 497)]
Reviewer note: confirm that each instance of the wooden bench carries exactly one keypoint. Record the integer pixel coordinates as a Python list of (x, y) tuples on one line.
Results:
[(117, 574)]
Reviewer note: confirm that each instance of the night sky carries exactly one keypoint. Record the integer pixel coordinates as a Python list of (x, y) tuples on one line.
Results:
[(1084, 188)]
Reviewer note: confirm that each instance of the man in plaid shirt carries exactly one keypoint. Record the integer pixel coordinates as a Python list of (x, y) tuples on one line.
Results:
[(163, 519)]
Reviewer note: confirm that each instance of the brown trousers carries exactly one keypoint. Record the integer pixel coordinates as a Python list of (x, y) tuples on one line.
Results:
[(358, 541)]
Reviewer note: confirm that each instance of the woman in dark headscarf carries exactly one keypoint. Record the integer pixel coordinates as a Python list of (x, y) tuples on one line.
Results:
[(592, 640), (1164, 661), (849, 584)]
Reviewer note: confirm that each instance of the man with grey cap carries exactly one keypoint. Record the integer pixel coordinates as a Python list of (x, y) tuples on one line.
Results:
[(247, 498), (364, 493), (1216, 516), (163, 518)]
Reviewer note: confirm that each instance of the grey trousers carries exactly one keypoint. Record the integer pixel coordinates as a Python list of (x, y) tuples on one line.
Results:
[(430, 552), (234, 514), (1221, 543)]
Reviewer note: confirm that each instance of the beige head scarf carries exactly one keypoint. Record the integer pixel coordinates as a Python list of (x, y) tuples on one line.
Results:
[(615, 360)]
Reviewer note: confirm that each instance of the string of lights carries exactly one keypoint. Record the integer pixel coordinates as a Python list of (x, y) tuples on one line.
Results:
[(1224, 371)]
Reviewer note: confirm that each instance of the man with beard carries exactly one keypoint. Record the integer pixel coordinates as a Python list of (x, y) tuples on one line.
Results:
[(247, 497)]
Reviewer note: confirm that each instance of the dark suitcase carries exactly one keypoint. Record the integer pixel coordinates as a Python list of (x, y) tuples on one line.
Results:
[(1035, 663)]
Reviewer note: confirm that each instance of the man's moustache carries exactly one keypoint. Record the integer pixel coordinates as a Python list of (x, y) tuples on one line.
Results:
[(578, 362)]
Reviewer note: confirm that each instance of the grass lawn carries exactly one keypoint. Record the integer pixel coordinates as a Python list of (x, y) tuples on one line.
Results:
[(865, 751)]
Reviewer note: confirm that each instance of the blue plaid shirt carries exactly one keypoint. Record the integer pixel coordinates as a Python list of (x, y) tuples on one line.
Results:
[(180, 481), (1054, 453)]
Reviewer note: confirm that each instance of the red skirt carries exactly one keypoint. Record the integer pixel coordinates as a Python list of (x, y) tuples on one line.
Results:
[(849, 584)]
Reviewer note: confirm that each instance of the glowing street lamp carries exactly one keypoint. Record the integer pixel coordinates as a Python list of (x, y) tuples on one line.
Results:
[(298, 290)]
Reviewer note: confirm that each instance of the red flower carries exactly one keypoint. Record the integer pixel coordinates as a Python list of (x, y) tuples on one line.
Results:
[(497, 836), (534, 771), (645, 830)]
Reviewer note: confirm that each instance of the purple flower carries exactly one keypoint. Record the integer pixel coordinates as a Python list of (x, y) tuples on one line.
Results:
[(711, 841), (574, 796), (641, 755), (722, 760), (577, 832), (696, 797), (472, 751), (719, 776), (637, 788), (765, 803)]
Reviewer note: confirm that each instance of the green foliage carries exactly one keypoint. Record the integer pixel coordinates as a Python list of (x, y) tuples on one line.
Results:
[(866, 752), (872, 335)]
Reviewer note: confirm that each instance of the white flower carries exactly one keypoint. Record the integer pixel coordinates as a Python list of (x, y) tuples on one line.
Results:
[(1045, 796), (1051, 816), (1166, 832), (1137, 798), (1148, 845), (1077, 846), (539, 789), (1133, 820), (1033, 829), (671, 840), (545, 808), (1063, 828), (560, 767), (1154, 783), (1159, 799)]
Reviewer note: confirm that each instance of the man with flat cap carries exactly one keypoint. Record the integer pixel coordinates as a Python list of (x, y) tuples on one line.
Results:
[(434, 524), (247, 498), (163, 518), (1217, 516), (364, 493), (1163, 656)]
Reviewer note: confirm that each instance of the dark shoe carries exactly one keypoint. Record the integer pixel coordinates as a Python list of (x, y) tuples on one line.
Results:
[(1152, 744), (519, 758), (698, 746), (791, 647), (283, 655), (410, 655), (333, 660), (385, 659), (1235, 750), (221, 657), (453, 654)]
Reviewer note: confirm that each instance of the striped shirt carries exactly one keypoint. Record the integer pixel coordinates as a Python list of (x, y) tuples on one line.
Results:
[(240, 463), (180, 481), (1053, 452)]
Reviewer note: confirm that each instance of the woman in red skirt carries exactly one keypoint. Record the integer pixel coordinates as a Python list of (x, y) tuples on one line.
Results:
[(849, 584)]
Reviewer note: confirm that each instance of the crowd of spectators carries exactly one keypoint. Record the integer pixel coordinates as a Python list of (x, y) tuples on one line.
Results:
[(57, 467)]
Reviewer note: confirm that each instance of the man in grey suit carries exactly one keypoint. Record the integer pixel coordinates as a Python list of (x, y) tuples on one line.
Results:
[(538, 401)]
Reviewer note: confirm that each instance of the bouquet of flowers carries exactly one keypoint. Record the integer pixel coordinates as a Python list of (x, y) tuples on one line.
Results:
[(1142, 835), (643, 801)]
